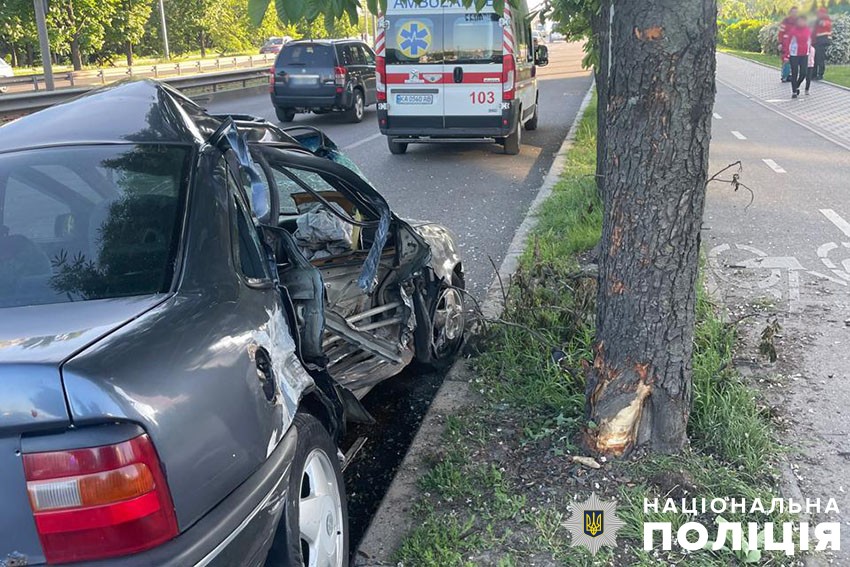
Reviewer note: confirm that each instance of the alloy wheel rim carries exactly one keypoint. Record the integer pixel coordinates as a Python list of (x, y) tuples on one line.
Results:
[(320, 513), (449, 319), (358, 106)]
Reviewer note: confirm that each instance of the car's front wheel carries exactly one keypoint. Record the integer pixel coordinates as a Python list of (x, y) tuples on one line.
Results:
[(448, 322), (285, 114), (316, 510)]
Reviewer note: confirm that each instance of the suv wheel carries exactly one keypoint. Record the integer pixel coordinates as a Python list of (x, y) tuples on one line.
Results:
[(285, 114), (355, 113), (396, 148)]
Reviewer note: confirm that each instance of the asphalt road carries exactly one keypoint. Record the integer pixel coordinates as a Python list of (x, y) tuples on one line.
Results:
[(788, 255), (475, 190)]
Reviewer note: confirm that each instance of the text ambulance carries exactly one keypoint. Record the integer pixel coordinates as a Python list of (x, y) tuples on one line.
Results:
[(448, 73)]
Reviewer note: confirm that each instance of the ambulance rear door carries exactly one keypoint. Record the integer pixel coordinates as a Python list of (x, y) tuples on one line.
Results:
[(414, 64), (472, 62)]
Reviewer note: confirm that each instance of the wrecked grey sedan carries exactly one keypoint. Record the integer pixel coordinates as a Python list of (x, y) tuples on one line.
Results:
[(191, 307)]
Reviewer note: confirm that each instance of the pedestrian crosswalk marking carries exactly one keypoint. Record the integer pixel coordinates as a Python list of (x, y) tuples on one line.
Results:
[(738, 135)]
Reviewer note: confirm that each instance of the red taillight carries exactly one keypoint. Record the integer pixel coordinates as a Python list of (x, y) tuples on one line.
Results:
[(508, 77), (380, 78), (339, 76), (99, 502), (271, 80)]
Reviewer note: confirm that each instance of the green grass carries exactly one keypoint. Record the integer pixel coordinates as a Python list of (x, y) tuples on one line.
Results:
[(838, 74), (476, 507)]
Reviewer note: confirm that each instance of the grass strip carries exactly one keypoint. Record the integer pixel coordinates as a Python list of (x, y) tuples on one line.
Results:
[(499, 489)]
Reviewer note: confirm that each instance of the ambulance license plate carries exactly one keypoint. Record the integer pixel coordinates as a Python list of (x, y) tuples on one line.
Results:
[(414, 99)]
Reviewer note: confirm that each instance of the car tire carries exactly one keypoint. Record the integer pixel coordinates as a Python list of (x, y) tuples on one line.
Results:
[(448, 322), (514, 141), (396, 148), (358, 108), (285, 114), (532, 122), (315, 478)]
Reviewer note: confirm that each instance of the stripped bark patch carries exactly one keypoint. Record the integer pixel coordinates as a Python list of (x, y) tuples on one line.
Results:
[(653, 33)]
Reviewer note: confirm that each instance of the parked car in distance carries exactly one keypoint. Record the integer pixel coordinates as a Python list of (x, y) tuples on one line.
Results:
[(190, 307), (323, 76), (5, 72), (556, 36), (274, 44)]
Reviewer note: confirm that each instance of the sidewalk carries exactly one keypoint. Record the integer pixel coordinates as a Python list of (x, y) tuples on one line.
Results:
[(826, 109)]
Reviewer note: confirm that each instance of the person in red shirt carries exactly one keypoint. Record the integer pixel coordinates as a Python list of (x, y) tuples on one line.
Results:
[(797, 42), (786, 24), (821, 37)]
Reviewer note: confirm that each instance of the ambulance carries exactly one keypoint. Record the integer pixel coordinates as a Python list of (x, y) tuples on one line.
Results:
[(446, 73)]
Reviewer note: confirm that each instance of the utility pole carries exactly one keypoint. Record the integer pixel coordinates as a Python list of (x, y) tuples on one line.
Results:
[(41, 24), (164, 29)]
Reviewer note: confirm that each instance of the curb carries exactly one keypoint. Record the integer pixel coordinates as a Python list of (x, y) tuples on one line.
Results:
[(393, 520)]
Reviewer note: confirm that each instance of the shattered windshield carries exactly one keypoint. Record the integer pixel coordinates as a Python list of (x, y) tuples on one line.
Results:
[(89, 222)]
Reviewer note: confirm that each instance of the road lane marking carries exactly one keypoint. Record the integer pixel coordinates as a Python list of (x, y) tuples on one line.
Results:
[(773, 165), (717, 116), (738, 135), (363, 141), (836, 219)]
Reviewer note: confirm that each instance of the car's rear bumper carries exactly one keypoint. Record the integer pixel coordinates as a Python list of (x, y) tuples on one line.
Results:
[(449, 127), (238, 531), (338, 100)]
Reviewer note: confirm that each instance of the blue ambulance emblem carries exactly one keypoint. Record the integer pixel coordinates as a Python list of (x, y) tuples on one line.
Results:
[(414, 38)]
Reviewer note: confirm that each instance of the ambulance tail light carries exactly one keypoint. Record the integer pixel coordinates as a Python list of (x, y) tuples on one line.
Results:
[(508, 77), (380, 78), (339, 76), (99, 502)]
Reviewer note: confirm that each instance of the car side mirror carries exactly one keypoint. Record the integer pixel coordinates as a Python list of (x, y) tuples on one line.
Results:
[(541, 55)]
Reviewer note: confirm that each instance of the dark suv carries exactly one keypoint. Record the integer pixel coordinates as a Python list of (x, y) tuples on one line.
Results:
[(323, 76)]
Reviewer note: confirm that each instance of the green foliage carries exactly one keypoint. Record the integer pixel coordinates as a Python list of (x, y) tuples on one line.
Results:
[(743, 34), (769, 39), (839, 50)]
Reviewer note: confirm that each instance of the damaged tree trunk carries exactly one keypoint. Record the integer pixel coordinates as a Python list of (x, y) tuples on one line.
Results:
[(659, 94)]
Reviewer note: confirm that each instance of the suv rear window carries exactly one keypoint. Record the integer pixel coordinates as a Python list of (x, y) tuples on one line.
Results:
[(89, 222), (306, 55)]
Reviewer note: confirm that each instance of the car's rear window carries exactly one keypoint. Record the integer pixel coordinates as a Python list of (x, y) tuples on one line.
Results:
[(89, 222), (444, 38), (306, 55)]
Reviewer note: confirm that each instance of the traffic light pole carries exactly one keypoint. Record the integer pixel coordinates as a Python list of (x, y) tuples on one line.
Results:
[(41, 23)]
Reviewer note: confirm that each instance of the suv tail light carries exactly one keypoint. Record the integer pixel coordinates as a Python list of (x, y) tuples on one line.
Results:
[(508, 77), (339, 76), (380, 78), (271, 80), (99, 502)]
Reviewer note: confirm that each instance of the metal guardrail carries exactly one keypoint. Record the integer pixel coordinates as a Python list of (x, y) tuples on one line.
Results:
[(103, 75), (15, 105)]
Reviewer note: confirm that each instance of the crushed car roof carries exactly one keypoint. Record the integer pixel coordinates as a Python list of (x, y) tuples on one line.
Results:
[(139, 110)]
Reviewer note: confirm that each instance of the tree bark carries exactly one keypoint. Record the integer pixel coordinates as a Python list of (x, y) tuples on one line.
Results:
[(659, 97), (128, 50), (599, 25), (203, 41), (76, 56)]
